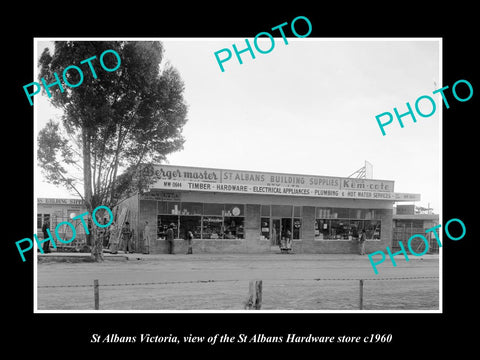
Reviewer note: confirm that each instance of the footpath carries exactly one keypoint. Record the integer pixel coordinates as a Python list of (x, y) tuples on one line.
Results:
[(120, 256)]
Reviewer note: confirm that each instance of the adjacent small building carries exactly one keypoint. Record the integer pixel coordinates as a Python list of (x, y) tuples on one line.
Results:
[(55, 210), (406, 223)]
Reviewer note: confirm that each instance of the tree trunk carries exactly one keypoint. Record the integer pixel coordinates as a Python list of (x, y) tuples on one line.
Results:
[(115, 166), (97, 249)]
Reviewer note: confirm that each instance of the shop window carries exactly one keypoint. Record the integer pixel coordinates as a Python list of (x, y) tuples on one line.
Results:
[(265, 228), (233, 227), (265, 210), (191, 223), (212, 227), (355, 214), (163, 221), (316, 230), (286, 228), (297, 228), (284, 211), (169, 207), (234, 210), (191, 208), (297, 211), (39, 221), (344, 229), (213, 209), (373, 229), (356, 227), (340, 213), (369, 214), (322, 229), (323, 213), (339, 229)]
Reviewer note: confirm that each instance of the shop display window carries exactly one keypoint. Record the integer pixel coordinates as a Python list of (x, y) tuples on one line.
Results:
[(297, 228), (265, 228), (163, 221), (297, 211), (339, 229), (169, 207), (356, 227), (234, 210), (284, 211), (356, 213), (191, 223), (265, 210), (346, 229), (323, 213), (372, 229), (191, 208), (340, 213), (322, 229), (212, 227), (227, 221), (213, 209), (233, 227), (205, 220)]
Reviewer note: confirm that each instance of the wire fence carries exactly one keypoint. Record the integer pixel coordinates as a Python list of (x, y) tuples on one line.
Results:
[(297, 293)]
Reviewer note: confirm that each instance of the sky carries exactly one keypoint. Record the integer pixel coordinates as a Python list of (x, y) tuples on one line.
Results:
[(307, 107)]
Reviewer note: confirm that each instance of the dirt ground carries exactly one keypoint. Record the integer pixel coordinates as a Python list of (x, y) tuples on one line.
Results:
[(220, 282)]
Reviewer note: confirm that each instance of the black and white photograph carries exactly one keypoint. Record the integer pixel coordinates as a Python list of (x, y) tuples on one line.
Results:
[(237, 180), (202, 165)]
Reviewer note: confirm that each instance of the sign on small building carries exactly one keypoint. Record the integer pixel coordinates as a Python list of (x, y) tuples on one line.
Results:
[(405, 209)]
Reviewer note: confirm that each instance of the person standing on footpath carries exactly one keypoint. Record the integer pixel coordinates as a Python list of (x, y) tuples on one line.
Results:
[(112, 239), (146, 238), (170, 237), (90, 230), (361, 242), (127, 234), (105, 233), (288, 241), (189, 238), (46, 244)]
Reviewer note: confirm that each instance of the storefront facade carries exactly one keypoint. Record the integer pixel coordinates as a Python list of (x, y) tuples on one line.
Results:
[(406, 223), (53, 211), (56, 210), (248, 211)]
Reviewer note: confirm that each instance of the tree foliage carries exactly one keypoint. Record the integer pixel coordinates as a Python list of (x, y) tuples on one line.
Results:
[(123, 119), (127, 118)]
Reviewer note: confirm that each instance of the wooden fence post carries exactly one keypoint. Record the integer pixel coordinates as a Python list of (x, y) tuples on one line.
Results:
[(254, 300), (361, 295), (95, 294)]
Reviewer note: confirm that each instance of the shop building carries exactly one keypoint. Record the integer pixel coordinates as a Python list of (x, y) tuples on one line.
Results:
[(56, 210), (232, 211), (406, 223)]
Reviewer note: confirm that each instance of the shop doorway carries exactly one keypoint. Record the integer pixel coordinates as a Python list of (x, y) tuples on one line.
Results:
[(281, 230), (276, 231)]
